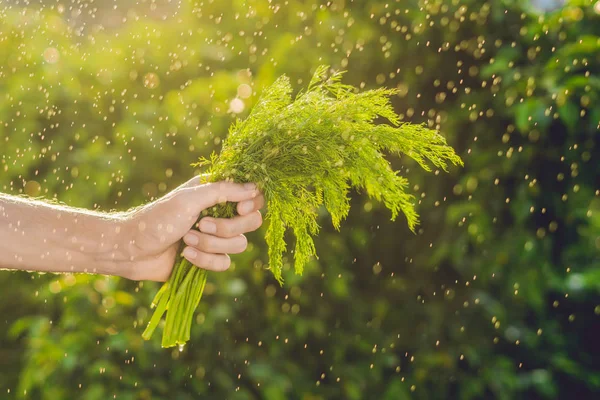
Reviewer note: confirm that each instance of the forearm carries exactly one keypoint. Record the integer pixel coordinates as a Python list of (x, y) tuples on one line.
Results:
[(46, 237)]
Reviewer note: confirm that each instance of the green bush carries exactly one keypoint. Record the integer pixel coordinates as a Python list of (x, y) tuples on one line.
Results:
[(496, 296)]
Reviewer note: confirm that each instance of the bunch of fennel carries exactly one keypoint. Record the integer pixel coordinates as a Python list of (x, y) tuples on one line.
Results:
[(302, 153)]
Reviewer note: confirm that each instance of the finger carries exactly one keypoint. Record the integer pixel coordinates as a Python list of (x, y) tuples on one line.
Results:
[(247, 206), (213, 244), (230, 227), (212, 262), (210, 194), (195, 181)]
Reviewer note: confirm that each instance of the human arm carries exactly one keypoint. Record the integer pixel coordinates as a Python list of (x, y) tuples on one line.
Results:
[(140, 244)]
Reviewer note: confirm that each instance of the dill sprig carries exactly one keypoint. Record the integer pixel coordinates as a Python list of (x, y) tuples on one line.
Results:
[(303, 153)]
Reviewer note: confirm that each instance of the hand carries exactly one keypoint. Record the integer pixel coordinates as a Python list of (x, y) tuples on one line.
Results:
[(156, 229)]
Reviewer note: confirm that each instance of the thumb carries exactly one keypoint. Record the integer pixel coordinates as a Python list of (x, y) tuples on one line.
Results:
[(179, 210), (200, 196)]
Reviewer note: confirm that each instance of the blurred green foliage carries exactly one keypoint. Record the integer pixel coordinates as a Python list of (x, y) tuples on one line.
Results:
[(496, 296)]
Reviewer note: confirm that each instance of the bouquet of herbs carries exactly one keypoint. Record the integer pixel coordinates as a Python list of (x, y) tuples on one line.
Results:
[(302, 153)]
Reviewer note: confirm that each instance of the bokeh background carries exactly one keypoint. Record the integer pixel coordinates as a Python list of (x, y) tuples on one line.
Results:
[(106, 104)]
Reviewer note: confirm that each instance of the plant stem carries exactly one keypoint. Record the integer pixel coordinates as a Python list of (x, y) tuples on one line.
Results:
[(180, 295)]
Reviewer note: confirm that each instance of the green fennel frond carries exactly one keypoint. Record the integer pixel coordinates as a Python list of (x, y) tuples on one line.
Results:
[(309, 151)]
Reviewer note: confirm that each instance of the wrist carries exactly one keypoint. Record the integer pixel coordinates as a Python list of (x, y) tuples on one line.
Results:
[(106, 251)]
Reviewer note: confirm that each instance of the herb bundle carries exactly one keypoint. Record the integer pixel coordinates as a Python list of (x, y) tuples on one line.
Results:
[(303, 153)]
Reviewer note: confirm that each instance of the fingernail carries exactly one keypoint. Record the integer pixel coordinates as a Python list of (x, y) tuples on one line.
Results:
[(207, 226), (246, 206), (190, 239), (249, 186), (188, 252)]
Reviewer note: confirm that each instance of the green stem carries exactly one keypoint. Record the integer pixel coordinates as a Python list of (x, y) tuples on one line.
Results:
[(158, 313), (195, 297), (180, 295), (175, 316), (162, 299), (187, 312)]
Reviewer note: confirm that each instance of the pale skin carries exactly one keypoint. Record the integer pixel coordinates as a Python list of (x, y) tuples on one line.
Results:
[(141, 244)]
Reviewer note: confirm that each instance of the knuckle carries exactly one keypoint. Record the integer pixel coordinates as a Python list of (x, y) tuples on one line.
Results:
[(206, 242), (226, 229), (212, 190), (221, 188)]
